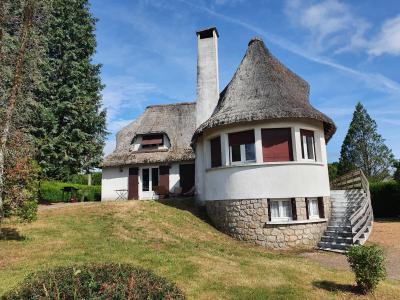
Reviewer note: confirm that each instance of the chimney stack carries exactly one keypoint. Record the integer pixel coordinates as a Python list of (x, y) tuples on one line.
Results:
[(207, 74)]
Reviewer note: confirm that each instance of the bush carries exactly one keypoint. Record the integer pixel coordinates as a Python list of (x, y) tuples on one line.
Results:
[(51, 191), (83, 178), (95, 281), (385, 197), (28, 211), (368, 265)]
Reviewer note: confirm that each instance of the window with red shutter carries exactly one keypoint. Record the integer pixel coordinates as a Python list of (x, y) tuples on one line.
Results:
[(215, 146), (277, 144), (242, 147), (152, 140)]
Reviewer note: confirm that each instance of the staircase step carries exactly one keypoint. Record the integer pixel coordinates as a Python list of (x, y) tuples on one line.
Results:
[(339, 233), (345, 228), (337, 239), (333, 245)]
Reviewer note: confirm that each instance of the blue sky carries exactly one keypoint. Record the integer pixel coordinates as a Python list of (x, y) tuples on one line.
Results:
[(348, 51)]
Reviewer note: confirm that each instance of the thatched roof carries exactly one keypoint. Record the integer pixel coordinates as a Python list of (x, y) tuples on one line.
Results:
[(264, 89), (177, 121)]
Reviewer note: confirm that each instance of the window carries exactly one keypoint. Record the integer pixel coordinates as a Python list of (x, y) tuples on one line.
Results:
[(154, 177), (152, 140), (307, 144), (313, 211), (315, 208), (241, 147), (280, 209), (215, 147), (146, 180), (277, 144)]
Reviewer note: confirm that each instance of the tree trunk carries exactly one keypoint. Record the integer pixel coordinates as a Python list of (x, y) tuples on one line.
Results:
[(10, 106), (89, 178)]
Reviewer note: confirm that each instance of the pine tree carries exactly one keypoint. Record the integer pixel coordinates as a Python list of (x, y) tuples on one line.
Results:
[(363, 148), (69, 125)]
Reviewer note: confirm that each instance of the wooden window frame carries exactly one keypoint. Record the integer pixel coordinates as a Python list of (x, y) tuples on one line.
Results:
[(264, 146), (304, 133), (243, 141)]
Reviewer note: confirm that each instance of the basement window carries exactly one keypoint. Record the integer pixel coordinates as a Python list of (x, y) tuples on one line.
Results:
[(241, 147), (280, 210)]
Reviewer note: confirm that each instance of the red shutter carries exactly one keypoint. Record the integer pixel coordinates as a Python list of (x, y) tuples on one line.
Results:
[(164, 177), (152, 139), (321, 209), (277, 144), (241, 138), (133, 183), (294, 211), (216, 160)]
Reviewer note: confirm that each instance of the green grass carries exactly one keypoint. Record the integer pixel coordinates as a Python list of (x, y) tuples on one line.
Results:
[(173, 243)]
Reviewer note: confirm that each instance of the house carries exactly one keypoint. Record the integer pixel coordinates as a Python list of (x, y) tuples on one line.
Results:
[(256, 153)]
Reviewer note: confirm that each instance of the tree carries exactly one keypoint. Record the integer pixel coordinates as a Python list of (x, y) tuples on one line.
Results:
[(363, 148), (396, 175), (20, 53), (333, 170), (69, 125)]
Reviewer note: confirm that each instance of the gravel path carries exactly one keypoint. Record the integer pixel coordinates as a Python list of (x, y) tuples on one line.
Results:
[(386, 233)]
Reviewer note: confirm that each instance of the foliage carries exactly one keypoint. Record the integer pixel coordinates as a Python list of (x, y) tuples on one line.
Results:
[(333, 170), (21, 178), (363, 148), (96, 281), (51, 191), (396, 174), (385, 198), (69, 125), (368, 265), (21, 54), (83, 178)]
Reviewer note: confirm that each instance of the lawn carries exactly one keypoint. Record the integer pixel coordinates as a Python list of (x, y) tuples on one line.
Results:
[(174, 243)]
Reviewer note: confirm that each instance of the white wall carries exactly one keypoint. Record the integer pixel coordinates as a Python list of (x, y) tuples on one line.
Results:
[(200, 167), (113, 179), (298, 178), (174, 179)]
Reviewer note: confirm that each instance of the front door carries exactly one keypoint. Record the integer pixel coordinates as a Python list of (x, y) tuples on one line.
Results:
[(149, 178), (186, 174)]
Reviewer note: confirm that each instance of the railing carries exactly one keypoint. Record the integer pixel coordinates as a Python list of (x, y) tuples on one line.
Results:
[(363, 216)]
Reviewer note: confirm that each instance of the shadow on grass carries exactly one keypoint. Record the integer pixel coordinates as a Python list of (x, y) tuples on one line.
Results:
[(187, 204), (10, 234), (337, 287)]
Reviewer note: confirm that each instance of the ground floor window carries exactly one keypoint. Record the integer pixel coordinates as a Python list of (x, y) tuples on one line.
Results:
[(281, 209)]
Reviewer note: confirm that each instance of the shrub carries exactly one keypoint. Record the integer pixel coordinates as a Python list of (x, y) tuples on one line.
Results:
[(385, 197), (51, 191), (368, 265), (28, 211), (95, 281), (83, 178)]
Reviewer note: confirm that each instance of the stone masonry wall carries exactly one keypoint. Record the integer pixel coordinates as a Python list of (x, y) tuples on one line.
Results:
[(247, 220)]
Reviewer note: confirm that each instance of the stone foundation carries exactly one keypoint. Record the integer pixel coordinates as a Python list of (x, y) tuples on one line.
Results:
[(247, 220)]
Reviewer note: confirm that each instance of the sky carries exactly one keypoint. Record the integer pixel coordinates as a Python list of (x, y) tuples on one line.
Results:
[(348, 51)]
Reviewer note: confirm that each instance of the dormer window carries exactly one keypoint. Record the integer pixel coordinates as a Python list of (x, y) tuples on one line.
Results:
[(152, 141)]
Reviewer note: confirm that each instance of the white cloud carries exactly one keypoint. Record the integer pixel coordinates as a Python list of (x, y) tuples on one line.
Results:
[(388, 39), (373, 80), (332, 25), (230, 2), (109, 147)]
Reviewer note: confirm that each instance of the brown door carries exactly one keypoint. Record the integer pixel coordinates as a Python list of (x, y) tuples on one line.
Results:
[(186, 174), (133, 184)]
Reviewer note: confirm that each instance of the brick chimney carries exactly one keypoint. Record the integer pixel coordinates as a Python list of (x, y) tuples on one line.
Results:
[(207, 74)]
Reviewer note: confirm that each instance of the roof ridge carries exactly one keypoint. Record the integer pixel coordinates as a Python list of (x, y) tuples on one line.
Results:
[(170, 104)]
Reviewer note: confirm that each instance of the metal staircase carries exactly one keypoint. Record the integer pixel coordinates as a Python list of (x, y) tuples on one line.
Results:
[(351, 213)]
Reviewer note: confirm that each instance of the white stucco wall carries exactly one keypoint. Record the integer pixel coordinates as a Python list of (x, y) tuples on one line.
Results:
[(298, 178), (113, 179)]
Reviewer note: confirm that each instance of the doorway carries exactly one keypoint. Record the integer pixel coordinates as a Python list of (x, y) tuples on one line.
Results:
[(149, 178), (186, 174)]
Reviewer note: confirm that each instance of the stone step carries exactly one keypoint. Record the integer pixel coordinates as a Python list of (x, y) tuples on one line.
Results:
[(339, 233), (337, 239), (333, 245), (345, 228)]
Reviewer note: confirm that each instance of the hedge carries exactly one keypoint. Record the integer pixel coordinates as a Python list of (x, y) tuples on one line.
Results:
[(96, 281), (83, 178), (385, 197), (51, 191)]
